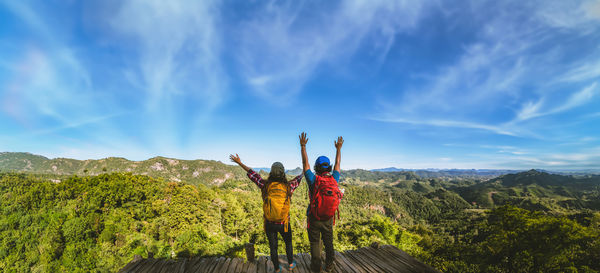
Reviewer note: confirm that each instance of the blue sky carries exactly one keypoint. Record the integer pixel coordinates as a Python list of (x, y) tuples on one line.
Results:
[(409, 84)]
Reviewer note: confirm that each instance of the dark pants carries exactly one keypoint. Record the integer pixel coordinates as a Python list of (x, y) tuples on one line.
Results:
[(272, 230), (318, 230)]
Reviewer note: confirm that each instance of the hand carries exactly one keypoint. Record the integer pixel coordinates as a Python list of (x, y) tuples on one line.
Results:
[(338, 143), (303, 139), (235, 158)]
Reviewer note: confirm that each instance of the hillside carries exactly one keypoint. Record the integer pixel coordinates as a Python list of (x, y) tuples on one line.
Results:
[(113, 208), (195, 172), (536, 190), (97, 223)]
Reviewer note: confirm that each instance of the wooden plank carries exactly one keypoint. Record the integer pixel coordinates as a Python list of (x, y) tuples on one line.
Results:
[(344, 265), (376, 260), (195, 264), (159, 266), (173, 266), (360, 262), (240, 266), (224, 266), (283, 261), (181, 265), (261, 264), (137, 266), (163, 267), (128, 267), (203, 265), (300, 268), (392, 260), (350, 263), (269, 265), (400, 258), (386, 258), (252, 267), (418, 265), (306, 258), (215, 263), (190, 263), (151, 265), (367, 262), (234, 263)]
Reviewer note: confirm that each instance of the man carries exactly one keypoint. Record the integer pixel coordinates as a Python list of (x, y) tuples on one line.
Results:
[(324, 200)]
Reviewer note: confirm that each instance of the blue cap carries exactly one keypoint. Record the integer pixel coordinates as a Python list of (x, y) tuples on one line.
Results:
[(322, 161)]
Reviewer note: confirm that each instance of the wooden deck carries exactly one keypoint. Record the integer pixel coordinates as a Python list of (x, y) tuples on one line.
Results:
[(364, 260)]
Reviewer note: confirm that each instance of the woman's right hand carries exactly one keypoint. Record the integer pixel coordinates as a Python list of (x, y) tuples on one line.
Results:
[(235, 158)]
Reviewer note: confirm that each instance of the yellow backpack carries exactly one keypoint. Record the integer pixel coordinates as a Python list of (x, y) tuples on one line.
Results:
[(276, 203)]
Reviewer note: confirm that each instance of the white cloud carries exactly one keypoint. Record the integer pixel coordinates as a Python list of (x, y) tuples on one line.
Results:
[(44, 79), (279, 50), (180, 49), (585, 71), (514, 58), (592, 9), (532, 110), (451, 123)]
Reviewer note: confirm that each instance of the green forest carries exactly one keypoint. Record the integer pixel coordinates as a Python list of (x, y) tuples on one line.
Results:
[(525, 222)]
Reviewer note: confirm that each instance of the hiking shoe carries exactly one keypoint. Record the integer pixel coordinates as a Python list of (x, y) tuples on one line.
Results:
[(292, 266), (279, 270)]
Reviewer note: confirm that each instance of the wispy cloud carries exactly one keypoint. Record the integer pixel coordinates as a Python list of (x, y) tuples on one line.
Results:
[(532, 110), (52, 83), (588, 70), (451, 123), (75, 124), (44, 79), (180, 50), (280, 51), (503, 70)]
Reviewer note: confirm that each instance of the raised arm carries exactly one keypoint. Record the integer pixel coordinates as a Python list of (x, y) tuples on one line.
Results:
[(303, 141), (338, 154), (254, 176), (236, 158)]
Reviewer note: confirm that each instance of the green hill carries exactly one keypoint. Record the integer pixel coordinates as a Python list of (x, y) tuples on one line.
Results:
[(535, 190), (195, 172), (98, 218)]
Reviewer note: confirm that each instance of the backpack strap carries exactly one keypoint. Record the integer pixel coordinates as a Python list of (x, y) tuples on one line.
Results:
[(264, 190)]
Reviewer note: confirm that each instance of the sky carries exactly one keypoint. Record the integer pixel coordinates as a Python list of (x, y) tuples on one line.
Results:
[(408, 84)]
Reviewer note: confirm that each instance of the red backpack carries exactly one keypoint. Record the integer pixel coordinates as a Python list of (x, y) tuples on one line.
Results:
[(325, 198)]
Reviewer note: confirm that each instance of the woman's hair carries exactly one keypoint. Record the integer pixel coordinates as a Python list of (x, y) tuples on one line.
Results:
[(277, 178), (277, 173)]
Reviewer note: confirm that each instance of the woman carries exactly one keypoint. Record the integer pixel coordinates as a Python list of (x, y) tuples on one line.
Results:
[(276, 193)]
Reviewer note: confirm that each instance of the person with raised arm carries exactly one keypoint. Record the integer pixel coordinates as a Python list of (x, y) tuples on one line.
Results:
[(325, 197), (276, 193)]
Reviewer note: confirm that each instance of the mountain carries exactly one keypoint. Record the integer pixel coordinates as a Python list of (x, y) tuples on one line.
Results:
[(450, 173), (210, 172), (390, 169), (294, 172), (207, 172), (536, 190)]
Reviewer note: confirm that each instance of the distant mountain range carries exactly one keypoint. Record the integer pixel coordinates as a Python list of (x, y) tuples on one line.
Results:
[(207, 172), (433, 172), (536, 190), (210, 172)]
